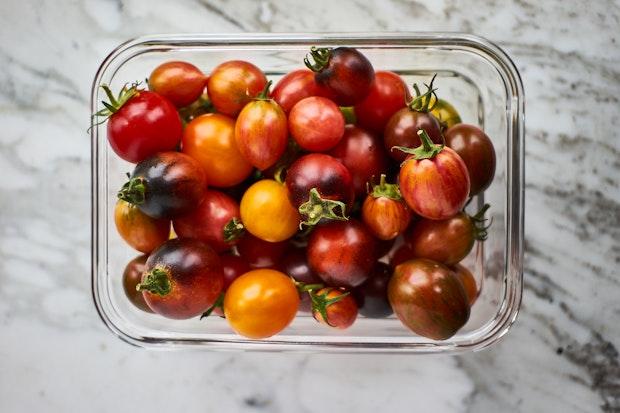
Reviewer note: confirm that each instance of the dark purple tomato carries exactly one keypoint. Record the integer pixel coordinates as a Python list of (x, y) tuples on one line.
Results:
[(131, 278), (233, 267), (295, 264), (372, 295), (402, 130), (259, 253)]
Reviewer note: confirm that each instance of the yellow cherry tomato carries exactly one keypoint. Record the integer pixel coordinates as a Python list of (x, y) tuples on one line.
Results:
[(445, 112)]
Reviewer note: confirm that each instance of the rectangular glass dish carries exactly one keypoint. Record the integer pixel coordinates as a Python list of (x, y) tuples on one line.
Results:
[(475, 75)]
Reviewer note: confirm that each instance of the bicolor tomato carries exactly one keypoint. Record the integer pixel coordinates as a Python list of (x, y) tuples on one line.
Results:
[(179, 82), (384, 212), (233, 84), (139, 230)]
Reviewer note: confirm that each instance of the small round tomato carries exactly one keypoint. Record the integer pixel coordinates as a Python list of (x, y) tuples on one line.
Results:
[(259, 253), (139, 230), (207, 221), (428, 298), (334, 307), (167, 185), (384, 212), (182, 278), (295, 86), (131, 278), (445, 113), (140, 123), (210, 139), (476, 150), (434, 181), (468, 281), (233, 84), (316, 124), (403, 253), (342, 253), (233, 267), (387, 95), (363, 155), (267, 213), (261, 303), (372, 295), (295, 264), (344, 71), (179, 82), (261, 131)]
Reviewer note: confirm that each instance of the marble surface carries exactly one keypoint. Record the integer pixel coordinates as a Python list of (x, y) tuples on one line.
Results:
[(562, 355)]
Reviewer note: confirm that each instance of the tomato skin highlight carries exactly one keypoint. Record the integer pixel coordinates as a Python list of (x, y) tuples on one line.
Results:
[(179, 82), (194, 272), (131, 278), (402, 130), (261, 303), (428, 298), (386, 218), (210, 139), (207, 221), (387, 95), (259, 253), (316, 124), (468, 281), (233, 84), (341, 314), (267, 213), (146, 124), (261, 133), (139, 230)]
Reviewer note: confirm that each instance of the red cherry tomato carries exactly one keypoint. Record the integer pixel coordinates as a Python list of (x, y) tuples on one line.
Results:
[(233, 267), (141, 123), (259, 253), (402, 254), (384, 212), (316, 124), (207, 221), (233, 84), (334, 307), (295, 86), (363, 155), (179, 82), (131, 278), (387, 95), (468, 281)]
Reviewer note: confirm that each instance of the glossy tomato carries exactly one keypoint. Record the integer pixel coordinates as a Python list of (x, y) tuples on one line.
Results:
[(428, 298), (207, 221), (139, 230), (233, 84), (384, 212), (295, 86), (233, 267), (210, 139), (342, 253), (259, 253), (167, 185), (476, 150), (401, 254), (182, 278), (179, 82), (468, 281), (316, 124), (140, 123), (372, 294), (387, 95), (434, 181), (445, 113), (267, 213), (295, 264), (261, 131), (334, 307), (364, 156), (131, 278), (344, 71), (261, 303)]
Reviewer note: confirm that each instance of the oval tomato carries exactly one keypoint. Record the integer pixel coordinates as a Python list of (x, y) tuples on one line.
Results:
[(179, 82), (384, 212), (131, 278), (139, 230), (233, 84), (259, 253), (334, 307), (316, 124), (387, 95), (210, 139)]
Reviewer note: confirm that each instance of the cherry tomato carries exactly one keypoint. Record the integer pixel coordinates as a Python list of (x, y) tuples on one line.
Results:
[(267, 213), (445, 113), (387, 95), (476, 150), (295, 264), (363, 155), (334, 307), (342, 253), (428, 298), (139, 230), (233, 268), (434, 181), (182, 278), (321, 187), (233, 84), (403, 253), (316, 124), (344, 71), (372, 294), (261, 131), (468, 281), (131, 278), (210, 139), (207, 221), (179, 82), (384, 212), (140, 123), (261, 303), (295, 86), (167, 185), (259, 253)]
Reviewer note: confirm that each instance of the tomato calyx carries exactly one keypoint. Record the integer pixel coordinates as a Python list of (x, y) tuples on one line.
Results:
[(320, 302), (156, 282), (480, 229), (317, 208), (320, 56), (427, 150), (233, 230), (422, 101), (219, 303), (133, 191), (385, 190), (110, 108)]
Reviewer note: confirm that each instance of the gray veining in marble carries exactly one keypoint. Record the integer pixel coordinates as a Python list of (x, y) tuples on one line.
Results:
[(562, 355)]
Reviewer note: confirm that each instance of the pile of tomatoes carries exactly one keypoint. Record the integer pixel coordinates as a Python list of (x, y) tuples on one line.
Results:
[(335, 192)]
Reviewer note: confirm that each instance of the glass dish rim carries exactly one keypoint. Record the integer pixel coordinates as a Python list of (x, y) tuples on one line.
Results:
[(508, 312)]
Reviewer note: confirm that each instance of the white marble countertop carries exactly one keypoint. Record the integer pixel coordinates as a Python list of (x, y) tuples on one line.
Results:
[(57, 356)]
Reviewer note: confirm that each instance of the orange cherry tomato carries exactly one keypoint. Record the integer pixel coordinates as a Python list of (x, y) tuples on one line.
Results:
[(261, 303), (210, 139), (233, 84), (468, 281), (139, 230), (180, 82)]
